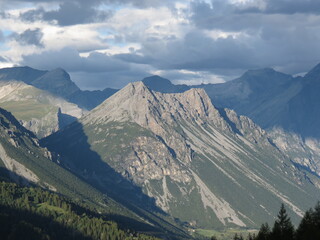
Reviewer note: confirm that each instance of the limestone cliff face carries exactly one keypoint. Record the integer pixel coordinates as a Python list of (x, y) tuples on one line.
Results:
[(159, 113), (195, 160)]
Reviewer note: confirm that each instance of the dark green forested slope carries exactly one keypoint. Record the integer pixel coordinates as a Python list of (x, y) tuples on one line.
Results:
[(34, 213)]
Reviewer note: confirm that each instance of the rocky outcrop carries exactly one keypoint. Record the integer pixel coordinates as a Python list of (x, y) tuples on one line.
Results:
[(303, 152)]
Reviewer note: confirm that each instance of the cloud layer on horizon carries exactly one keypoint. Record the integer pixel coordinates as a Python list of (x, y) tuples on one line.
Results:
[(112, 42)]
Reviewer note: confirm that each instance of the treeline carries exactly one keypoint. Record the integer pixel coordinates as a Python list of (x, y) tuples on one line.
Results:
[(283, 229), (34, 213)]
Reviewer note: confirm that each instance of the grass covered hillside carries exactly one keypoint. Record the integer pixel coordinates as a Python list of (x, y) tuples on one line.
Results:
[(34, 213)]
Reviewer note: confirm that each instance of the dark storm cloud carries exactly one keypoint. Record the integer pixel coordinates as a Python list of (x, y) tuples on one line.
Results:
[(224, 15), (70, 13), (198, 52), (134, 58), (101, 80), (83, 11), (275, 37), (29, 37), (96, 71), (70, 60), (136, 3), (289, 7)]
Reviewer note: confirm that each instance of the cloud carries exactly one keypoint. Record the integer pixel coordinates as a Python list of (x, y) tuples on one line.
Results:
[(96, 71), (220, 14), (289, 7), (135, 3), (69, 13), (187, 41), (196, 52), (83, 11), (274, 38), (1, 36), (69, 59), (190, 77), (2, 59), (142, 3), (134, 58), (101, 80), (29, 37)]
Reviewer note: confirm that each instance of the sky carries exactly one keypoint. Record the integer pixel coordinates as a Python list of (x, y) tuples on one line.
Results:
[(108, 43)]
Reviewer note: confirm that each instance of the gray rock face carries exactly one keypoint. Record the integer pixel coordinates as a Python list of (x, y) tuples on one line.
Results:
[(305, 153), (204, 165)]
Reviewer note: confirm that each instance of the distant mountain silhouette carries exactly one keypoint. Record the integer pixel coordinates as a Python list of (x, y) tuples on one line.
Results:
[(270, 98), (57, 82), (163, 85)]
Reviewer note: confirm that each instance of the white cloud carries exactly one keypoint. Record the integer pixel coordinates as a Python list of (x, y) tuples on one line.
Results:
[(189, 77)]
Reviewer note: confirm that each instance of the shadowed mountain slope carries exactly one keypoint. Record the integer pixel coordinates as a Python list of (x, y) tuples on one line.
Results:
[(30, 164)]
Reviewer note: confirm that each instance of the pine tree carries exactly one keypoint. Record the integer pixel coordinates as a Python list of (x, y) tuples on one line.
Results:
[(236, 237), (316, 221), (264, 232), (306, 227), (282, 228), (251, 237)]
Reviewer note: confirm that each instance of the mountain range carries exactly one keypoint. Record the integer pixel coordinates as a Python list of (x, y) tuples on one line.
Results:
[(168, 156), (271, 99), (200, 164)]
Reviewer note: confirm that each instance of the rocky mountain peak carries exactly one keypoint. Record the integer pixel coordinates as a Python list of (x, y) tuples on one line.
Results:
[(155, 78), (266, 75), (137, 103), (57, 82), (137, 88)]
